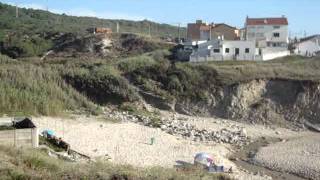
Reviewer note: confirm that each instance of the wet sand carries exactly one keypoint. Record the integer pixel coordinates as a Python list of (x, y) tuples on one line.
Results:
[(244, 159)]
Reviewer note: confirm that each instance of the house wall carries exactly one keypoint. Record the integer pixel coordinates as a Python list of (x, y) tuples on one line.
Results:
[(242, 45), (206, 51), (273, 53), (193, 32), (229, 33), (265, 33), (204, 35), (307, 48), (20, 137)]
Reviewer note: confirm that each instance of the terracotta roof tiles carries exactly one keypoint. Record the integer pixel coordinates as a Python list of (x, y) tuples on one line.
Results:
[(267, 21)]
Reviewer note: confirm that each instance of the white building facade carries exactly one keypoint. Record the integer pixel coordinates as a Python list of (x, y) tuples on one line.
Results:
[(221, 50), (270, 36), (309, 46)]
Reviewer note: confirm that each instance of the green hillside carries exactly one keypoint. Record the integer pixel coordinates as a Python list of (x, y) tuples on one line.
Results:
[(37, 21), (32, 32)]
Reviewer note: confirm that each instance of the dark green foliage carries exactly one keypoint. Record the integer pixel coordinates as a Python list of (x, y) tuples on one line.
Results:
[(46, 142), (102, 85), (19, 45), (167, 80)]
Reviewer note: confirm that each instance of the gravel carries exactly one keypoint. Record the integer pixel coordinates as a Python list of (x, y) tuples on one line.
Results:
[(181, 128)]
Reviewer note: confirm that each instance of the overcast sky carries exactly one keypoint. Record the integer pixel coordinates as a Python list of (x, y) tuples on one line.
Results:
[(302, 14)]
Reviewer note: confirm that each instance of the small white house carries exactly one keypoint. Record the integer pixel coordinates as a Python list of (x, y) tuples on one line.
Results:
[(220, 50), (308, 46)]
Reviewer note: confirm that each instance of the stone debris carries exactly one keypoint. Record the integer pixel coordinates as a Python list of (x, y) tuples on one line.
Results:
[(237, 136)]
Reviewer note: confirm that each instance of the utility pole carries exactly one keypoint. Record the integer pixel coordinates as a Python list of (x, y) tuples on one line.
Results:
[(17, 11), (47, 8), (210, 26), (179, 37), (118, 27)]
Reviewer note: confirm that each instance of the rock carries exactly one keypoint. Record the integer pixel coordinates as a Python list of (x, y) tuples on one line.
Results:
[(176, 127), (243, 132), (163, 127)]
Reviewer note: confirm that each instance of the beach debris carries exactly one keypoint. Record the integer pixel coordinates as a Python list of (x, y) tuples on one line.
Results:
[(236, 136)]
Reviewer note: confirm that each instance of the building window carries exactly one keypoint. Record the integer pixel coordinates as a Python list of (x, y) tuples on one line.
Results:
[(237, 51), (247, 50), (216, 50), (276, 35), (260, 35), (227, 50), (251, 35), (276, 27)]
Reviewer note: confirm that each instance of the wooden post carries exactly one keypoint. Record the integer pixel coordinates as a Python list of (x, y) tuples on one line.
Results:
[(15, 144), (35, 137)]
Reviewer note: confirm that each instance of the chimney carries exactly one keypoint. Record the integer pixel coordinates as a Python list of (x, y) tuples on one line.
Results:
[(199, 21)]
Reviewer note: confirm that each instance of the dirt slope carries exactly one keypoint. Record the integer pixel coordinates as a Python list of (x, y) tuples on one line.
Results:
[(286, 103)]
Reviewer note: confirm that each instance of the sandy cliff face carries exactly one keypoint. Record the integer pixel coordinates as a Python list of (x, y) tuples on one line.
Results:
[(276, 102)]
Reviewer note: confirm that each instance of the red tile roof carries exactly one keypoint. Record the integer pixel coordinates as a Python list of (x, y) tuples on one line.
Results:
[(267, 21)]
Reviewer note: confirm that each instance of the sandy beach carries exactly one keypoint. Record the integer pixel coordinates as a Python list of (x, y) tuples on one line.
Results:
[(129, 143)]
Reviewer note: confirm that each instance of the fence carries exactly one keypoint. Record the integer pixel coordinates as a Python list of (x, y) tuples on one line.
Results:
[(20, 137)]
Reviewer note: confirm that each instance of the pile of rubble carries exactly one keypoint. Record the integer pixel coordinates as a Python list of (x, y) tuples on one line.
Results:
[(189, 131), (186, 130)]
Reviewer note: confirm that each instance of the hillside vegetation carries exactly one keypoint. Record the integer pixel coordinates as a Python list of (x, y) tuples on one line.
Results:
[(28, 88), (33, 33), (54, 86)]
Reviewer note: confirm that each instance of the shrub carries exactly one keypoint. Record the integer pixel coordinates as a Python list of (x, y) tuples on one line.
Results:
[(132, 64), (102, 85)]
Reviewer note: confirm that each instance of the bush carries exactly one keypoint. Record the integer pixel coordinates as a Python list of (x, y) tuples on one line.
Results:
[(134, 63), (19, 45), (103, 85)]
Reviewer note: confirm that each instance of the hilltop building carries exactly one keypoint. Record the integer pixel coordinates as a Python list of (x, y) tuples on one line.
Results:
[(221, 50), (260, 39), (201, 31), (100, 30), (270, 35)]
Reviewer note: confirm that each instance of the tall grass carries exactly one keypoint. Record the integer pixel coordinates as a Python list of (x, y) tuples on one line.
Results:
[(34, 90), (293, 67)]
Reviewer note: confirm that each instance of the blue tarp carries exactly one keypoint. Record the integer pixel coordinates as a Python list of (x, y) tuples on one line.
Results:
[(48, 133)]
